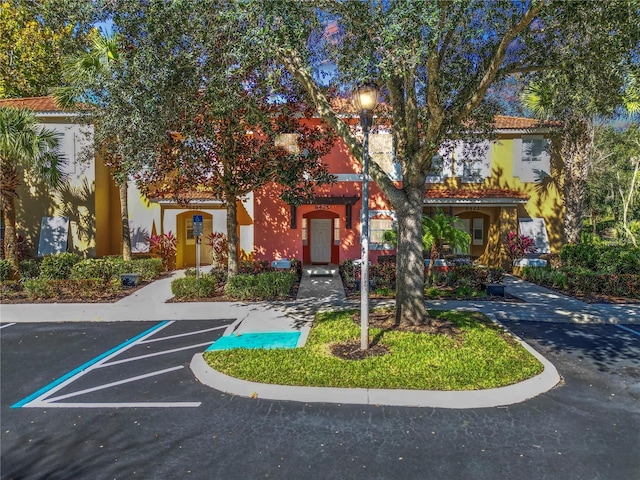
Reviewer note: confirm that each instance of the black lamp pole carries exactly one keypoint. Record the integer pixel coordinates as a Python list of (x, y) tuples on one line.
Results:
[(366, 100)]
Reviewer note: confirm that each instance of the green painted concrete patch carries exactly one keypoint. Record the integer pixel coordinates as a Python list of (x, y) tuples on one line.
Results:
[(266, 340)]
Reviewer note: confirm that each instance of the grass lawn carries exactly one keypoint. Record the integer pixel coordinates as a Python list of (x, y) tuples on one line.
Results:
[(480, 356)]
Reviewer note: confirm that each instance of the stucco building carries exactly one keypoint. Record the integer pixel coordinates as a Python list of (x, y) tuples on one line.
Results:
[(504, 186)]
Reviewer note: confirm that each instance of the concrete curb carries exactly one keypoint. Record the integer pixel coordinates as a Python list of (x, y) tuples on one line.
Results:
[(493, 397)]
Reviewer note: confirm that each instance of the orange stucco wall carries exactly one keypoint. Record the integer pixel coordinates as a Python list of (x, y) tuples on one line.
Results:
[(274, 237)]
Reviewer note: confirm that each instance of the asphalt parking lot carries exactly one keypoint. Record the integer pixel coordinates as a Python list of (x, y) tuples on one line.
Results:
[(138, 412)]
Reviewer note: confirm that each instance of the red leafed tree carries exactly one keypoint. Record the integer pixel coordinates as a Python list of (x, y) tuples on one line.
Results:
[(229, 156)]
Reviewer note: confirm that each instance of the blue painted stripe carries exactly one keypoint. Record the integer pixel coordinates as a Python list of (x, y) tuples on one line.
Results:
[(84, 366)]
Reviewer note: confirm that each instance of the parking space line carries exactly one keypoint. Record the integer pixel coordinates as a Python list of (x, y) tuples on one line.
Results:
[(113, 384), (39, 404), (7, 325), (85, 368), (164, 352), (630, 330), (171, 337)]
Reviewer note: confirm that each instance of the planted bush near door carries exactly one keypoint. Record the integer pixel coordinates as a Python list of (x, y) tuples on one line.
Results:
[(263, 286)]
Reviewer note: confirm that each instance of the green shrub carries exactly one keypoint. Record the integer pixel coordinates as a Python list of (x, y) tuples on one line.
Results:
[(103, 269), (619, 259), (580, 255), (264, 286), (148, 268), (58, 266), (192, 287), (37, 288), (5, 270), (467, 276), (383, 276), (29, 268), (602, 258)]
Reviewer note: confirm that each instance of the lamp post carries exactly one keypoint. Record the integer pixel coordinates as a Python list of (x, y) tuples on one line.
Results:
[(365, 99)]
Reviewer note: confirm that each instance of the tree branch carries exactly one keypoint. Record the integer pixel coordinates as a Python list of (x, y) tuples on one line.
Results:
[(496, 61), (292, 62)]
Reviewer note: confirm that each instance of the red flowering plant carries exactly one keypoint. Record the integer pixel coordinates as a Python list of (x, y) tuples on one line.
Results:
[(164, 245), (517, 246)]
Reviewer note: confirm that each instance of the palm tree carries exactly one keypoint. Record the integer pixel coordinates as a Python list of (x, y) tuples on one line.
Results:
[(82, 74), (440, 230), (24, 145), (437, 231)]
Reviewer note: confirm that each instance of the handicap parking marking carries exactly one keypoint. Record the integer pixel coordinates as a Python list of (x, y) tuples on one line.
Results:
[(45, 397), (7, 325)]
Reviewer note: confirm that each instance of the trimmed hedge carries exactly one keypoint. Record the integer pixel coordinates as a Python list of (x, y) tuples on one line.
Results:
[(578, 281), (263, 286), (58, 266), (108, 268), (29, 268), (191, 287)]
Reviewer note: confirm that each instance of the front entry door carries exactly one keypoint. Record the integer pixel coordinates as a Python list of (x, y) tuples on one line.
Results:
[(321, 240)]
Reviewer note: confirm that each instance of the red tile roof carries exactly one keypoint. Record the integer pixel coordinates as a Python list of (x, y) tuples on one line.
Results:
[(38, 104), (474, 193), (187, 196), (504, 122)]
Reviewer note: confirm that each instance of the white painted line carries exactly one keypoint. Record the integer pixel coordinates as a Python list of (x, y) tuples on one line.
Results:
[(113, 384), (7, 325), (630, 330), (93, 366), (35, 404), (184, 334), (132, 359)]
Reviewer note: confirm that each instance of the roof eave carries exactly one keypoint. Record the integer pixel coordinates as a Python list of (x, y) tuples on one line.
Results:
[(475, 202)]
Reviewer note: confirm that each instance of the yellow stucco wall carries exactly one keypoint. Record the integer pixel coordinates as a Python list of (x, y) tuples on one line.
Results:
[(545, 197)]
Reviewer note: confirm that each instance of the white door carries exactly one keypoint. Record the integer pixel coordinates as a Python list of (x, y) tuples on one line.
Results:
[(321, 240)]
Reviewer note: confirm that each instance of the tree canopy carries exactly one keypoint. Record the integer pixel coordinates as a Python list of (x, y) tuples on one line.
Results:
[(435, 62), (34, 38)]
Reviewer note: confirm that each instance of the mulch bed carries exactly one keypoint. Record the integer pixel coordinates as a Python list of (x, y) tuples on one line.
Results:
[(21, 297)]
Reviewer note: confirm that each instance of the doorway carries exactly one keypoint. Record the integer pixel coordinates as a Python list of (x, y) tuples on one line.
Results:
[(320, 240)]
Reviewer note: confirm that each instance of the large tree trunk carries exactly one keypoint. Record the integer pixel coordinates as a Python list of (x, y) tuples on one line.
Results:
[(8, 184), (232, 236), (576, 153), (410, 308), (124, 217), (10, 236)]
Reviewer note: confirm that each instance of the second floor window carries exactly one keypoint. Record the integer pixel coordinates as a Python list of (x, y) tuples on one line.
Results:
[(533, 149)]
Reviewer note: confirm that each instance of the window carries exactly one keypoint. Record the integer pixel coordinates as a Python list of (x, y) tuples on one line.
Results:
[(336, 231), (188, 233), (377, 227), (533, 149), (477, 236), (435, 174), (305, 231), (534, 158)]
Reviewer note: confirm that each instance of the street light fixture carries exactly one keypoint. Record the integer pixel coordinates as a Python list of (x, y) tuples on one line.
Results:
[(365, 99)]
